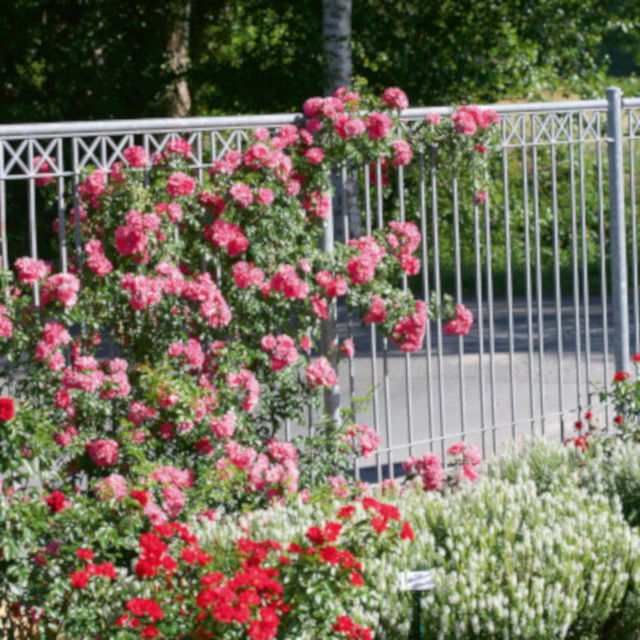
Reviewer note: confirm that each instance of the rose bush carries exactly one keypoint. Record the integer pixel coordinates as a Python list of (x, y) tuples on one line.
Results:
[(152, 378)]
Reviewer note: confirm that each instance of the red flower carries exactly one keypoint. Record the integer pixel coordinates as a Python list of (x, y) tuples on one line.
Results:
[(57, 501), (636, 357), (141, 496), (621, 376), (356, 579), (618, 419), (85, 554), (407, 532), (379, 524), (346, 511), (7, 409), (79, 579), (149, 632)]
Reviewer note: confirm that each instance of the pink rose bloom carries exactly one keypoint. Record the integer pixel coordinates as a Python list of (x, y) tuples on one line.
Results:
[(96, 260), (312, 107), (265, 196), (224, 427), (283, 351), (246, 275), (241, 458), (44, 167), (180, 184), (314, 155), (212, 203), (179, 146), (261, 134), (361, 269), (481, 196), (403, 153), (378, 125), (136, 156), (408, 333), (174, 501), (103, 452), (30, 270), (242, 194), (347, 127), (320, 307), (433, 118), (348, 348), (473, 455), (62, 286), (377, 312), (318, 204), (461, 324), (395, 98), (287, 282), (320, 373), (113, 486), (464, 122), (469, 472), (93, 187), (281, 451), (457, 448), (228, 236)]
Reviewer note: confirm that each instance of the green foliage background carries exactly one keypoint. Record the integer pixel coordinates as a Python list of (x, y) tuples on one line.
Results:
[(90, 59)]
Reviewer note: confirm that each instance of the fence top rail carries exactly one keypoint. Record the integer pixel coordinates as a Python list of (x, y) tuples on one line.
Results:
[(213, 123)]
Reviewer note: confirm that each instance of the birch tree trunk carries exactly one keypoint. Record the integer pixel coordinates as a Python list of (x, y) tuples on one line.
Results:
[(178, 97), (336, 39)]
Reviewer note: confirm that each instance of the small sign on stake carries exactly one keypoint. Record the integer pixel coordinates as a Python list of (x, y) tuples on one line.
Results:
[(417, 582)]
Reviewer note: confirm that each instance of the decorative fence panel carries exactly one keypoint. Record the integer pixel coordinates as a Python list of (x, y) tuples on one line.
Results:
[(548, 262)]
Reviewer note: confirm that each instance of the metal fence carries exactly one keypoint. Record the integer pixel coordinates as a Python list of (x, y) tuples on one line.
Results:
[(542, 263)]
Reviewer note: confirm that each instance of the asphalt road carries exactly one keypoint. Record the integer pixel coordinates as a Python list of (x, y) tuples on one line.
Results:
[(522, 387)]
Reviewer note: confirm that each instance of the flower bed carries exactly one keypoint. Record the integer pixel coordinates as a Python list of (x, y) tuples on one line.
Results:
[(147, 494)]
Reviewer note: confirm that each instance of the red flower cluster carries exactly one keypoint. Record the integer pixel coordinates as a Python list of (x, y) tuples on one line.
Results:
[(7, 409), (80, 579)]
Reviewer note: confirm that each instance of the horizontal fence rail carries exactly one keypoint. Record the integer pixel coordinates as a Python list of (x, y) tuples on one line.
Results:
[(548, 263)]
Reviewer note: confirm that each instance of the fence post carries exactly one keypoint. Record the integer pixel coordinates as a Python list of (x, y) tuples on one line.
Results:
[(329, 327), (617, 238)]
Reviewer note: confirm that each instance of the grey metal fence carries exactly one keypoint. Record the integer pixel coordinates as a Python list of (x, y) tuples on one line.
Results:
[(542, 262)]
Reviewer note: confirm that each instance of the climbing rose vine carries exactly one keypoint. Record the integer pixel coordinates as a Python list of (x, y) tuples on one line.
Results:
[(153, 377)]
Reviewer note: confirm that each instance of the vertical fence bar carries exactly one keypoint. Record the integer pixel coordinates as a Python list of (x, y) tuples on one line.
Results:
[(539, 284), (634, 239), (436, 276), (509, 283), (490, 300), (575, 268), (480, 324), (527, 275), (602, 247), (385, 343), (33, 231), (372, 331), (328, 327), (617, 239), (557, 284), (585, 265), (458, 276), (426, 288), (62, 221), (407, 356)]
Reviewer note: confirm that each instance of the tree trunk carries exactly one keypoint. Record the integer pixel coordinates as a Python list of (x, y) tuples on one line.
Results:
[(336, 38), (178, 98)]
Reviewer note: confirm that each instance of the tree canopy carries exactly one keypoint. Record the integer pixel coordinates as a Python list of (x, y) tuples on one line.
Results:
[(88, 59)]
